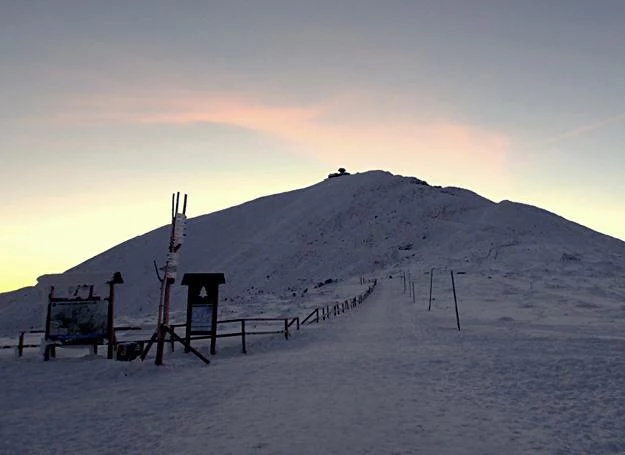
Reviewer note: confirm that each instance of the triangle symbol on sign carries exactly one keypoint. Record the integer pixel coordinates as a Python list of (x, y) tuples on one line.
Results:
[(203, 292)]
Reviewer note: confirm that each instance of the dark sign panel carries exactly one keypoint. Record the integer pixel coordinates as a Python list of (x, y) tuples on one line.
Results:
[(78, 320), (201, 319)]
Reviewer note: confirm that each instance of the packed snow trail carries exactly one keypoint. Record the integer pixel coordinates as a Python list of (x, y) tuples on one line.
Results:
[(385, 378)]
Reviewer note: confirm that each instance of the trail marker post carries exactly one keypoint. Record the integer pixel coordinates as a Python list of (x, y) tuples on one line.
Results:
[(163, 328)]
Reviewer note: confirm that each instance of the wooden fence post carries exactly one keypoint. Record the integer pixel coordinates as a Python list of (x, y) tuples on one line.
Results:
[(243, 347), (20, 345), (286, 329)]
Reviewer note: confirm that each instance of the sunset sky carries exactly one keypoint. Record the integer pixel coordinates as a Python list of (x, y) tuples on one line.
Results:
[(106, 108)]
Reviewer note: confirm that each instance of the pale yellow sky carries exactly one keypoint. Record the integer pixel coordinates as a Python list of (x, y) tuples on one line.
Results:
[(105, 111)]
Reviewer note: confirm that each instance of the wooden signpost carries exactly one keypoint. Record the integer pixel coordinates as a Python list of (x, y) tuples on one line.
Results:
[(164, 327), (202, 301)]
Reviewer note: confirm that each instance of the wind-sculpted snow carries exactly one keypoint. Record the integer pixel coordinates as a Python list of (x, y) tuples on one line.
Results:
[(275, 249)]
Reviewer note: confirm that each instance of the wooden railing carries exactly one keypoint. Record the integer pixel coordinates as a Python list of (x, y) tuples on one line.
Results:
[(318, 314), (285, 325), (21, 345), (325, 312)]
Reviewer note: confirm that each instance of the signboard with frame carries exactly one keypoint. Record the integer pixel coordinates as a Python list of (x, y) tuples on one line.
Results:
[(78, 321), (201, 319), (202, 301), (76, 314)]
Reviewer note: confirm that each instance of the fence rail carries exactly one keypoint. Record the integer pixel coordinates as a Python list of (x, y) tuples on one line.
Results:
[(325, 312), (21, 345), (318, 314)]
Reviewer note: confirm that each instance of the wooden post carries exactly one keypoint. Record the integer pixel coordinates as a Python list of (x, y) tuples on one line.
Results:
[(453, 286), (20, 345), (110, 321), (243, 347), (431, 275), (214, 342), (286, 329), (160, 341), (413, 294)]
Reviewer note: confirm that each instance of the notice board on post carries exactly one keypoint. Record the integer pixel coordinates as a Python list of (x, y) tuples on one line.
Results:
[(79, 309), (78, 320), (202, 304)]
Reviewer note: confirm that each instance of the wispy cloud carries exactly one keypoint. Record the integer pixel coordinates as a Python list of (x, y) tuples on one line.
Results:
[(587, 128), (344, 126)]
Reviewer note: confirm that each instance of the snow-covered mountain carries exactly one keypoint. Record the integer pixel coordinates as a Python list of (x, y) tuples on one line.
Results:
[(373, 223)]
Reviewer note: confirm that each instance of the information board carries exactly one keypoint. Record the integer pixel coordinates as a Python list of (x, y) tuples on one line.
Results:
[(82, 320), (201, 319)]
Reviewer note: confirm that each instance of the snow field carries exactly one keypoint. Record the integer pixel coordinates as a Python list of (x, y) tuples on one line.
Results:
[(388, 377)]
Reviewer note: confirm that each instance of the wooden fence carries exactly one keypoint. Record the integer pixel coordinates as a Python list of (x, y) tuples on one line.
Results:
[(21, 344), (284, 328), (327, 311)]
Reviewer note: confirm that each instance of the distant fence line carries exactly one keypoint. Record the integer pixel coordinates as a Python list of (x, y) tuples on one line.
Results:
[(326, 311)]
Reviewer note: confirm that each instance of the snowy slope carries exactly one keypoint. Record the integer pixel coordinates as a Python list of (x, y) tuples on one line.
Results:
[(386, 378), (273, 250), (537, 368)]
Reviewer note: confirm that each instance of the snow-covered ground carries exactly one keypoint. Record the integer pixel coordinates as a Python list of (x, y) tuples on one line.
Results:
[(537, 367), (386, 377)]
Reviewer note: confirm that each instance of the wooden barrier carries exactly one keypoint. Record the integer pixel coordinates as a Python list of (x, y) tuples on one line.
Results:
[(21, 345), (245, 332), (338, 308)]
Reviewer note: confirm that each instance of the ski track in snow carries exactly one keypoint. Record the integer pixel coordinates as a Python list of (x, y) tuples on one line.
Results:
[(388, 377)]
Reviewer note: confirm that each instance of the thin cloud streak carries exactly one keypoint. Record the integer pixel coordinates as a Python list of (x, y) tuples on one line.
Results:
[(434, 146), (585, 129)]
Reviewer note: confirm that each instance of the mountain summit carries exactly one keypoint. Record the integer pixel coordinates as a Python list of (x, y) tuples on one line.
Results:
[(369, 223)]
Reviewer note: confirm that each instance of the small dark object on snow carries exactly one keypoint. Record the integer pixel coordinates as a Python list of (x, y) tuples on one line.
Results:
[(129, 351)]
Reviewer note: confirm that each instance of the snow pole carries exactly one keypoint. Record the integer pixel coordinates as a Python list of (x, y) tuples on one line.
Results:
[(453, 286), (431, 275), (404, 279)]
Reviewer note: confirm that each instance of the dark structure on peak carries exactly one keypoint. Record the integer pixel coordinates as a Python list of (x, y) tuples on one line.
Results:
[(340, 173)]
